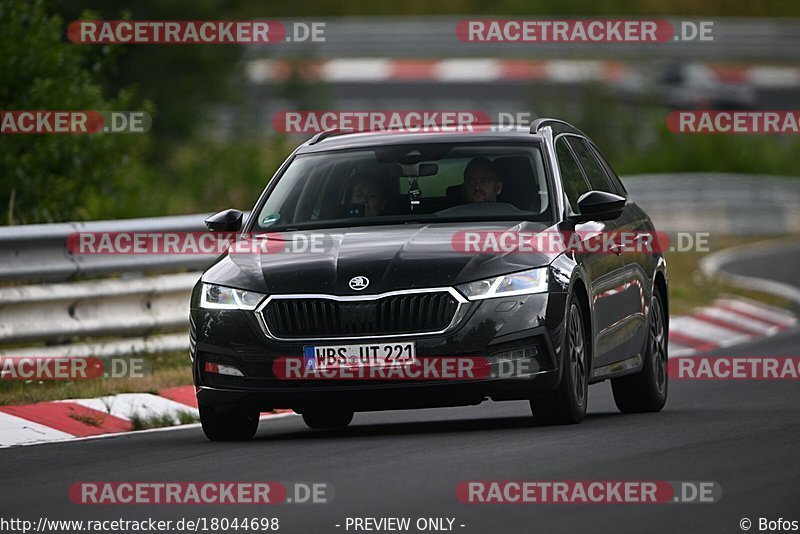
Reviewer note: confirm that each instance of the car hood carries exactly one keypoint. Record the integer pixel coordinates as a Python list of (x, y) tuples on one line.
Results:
[(391, 257)]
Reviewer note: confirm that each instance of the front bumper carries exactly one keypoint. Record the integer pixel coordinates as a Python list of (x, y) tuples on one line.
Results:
[(489, 328)]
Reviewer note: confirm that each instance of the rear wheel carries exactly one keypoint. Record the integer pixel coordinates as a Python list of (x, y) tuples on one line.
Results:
[(646, 391), (319, 419), (567, 403), (228, 426)]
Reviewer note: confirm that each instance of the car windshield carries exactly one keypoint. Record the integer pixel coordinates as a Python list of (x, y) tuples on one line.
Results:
[(423, 183)]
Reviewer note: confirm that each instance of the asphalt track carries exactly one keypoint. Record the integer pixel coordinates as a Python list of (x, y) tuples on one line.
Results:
[(743, 435)]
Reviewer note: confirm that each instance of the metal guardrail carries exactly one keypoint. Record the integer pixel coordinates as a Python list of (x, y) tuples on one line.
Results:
[(724, 204), (62, 312), (58, 312), (39, 251)]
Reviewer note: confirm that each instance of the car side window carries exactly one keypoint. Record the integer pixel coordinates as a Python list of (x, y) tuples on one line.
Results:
[(595, 173), (571, 175), (612, 176)]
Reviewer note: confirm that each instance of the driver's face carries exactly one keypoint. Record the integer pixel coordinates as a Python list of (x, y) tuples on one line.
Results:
[(367, 193), (481, 185)]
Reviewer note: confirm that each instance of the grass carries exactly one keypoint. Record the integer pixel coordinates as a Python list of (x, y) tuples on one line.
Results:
[(144, 422), (164, 370)]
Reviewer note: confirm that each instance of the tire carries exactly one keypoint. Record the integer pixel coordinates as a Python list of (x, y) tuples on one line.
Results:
[(320, 419), (566, 405), (646, 391), (228, 426)]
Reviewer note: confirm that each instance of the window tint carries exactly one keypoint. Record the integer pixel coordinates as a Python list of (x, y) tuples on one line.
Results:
[(373, 185), (571, 176), (595, 172), (612, 176)]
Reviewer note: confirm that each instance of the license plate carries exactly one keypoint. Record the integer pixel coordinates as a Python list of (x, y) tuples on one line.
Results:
[(352, 356)]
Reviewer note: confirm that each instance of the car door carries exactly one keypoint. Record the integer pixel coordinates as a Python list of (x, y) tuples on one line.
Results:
[(605, 272), (629, 324), (641, 258)]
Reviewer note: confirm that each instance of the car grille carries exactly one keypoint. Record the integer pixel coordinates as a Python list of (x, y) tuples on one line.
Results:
[(390, 315)]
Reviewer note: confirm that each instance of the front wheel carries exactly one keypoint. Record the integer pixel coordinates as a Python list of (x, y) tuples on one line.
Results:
[(566, 404), (228, 426), (646, 391)]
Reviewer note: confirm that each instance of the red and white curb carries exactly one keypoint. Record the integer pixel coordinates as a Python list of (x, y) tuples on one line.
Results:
[(83, 418), (726, 322), (472, 70)]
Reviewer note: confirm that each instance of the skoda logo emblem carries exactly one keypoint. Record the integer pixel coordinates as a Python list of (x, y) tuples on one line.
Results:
[(357, 283)]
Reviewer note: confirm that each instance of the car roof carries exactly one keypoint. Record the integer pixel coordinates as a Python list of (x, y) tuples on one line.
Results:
[(347, 140)]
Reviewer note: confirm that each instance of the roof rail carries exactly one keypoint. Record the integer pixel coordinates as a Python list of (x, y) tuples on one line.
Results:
[(328, 133), (557, 125)]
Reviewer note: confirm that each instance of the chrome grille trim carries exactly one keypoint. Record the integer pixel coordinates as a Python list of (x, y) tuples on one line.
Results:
[(461, 309)]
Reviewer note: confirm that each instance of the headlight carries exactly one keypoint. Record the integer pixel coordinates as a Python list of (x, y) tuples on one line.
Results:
[(226, 298), (522, 283)]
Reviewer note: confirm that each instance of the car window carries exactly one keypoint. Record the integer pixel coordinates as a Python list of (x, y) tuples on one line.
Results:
[(612, 176), (424, 182), (595, 173), (571, 175)]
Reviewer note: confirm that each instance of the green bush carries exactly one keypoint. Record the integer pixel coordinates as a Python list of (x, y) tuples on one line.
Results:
[(48, 177)]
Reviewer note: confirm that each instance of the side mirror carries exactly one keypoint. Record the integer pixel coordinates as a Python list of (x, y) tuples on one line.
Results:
[(229, 220), (599, 206)]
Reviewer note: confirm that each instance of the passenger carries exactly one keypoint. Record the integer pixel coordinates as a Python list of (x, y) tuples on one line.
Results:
[(367, 191), (481, 181)]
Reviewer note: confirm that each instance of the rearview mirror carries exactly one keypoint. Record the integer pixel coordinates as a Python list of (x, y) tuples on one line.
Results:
[(428, 169), (599, 206), (415, 169), (229, 220)]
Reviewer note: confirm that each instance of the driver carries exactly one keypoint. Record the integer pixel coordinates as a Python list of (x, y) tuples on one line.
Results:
[(481, 181), (366, 191)]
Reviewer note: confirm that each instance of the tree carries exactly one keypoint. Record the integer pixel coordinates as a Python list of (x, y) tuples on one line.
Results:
[(46, 177)]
